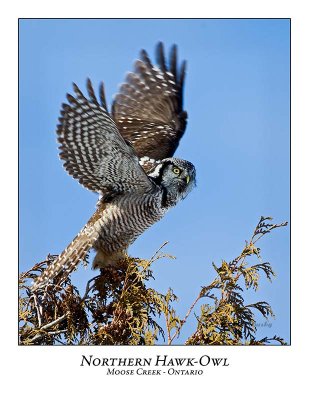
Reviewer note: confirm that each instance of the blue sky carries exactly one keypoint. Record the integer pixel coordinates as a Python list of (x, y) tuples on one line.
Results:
[(237, 95)]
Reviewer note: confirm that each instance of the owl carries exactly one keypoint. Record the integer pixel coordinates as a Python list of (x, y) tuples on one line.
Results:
[(126, 156)]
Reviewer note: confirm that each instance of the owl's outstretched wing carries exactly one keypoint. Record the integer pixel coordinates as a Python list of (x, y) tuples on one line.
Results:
[(148, 109), (93, 150)]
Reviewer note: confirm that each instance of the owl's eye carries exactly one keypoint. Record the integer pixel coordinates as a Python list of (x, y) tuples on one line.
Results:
[(176, 171)]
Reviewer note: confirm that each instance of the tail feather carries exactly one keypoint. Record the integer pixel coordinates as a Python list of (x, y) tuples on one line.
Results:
[(74, 253)]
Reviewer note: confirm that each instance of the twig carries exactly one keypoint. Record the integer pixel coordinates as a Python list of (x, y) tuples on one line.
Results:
[(153, 258), (57, 332), (169, 340), (185, 318), (38, 310), (47, 326), (88, 288)]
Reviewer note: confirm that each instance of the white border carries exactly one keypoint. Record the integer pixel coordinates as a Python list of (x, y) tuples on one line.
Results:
[(54, 371)]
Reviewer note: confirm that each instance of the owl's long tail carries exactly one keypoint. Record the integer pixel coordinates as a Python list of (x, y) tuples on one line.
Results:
[(74, 253)]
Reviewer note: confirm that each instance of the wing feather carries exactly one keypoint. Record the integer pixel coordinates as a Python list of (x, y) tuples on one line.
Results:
[(92, 148), (148, 108)]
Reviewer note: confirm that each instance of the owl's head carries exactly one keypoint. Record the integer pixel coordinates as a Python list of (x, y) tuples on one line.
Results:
[(176, 177)]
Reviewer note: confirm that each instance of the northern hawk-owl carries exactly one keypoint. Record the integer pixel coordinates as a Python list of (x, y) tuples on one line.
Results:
[(126, 157)]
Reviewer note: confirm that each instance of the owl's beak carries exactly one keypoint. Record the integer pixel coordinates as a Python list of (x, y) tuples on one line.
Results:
[(185, 177)]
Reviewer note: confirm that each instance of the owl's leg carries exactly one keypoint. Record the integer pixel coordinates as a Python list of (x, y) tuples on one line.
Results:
[(102, 259)]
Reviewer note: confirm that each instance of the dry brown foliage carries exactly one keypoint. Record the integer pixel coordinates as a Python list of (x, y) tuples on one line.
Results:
[(118, 306)]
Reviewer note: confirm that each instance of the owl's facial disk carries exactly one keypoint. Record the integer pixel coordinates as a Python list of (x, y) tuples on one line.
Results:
[(178, 178)]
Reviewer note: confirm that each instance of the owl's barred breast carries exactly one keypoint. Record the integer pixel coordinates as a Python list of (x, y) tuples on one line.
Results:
[(123, 220)]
